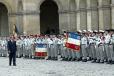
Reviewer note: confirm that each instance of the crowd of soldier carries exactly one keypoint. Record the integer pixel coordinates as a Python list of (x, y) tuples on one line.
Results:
[(97, 47)]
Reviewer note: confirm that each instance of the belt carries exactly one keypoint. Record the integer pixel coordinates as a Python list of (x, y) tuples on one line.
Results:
[(92, 43), (100, 44), (83, 44)]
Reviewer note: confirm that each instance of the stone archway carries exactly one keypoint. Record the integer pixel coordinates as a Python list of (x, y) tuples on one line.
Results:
[(4, 27), (49, 17)]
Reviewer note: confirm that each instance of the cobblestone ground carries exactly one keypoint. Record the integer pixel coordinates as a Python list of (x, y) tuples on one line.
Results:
[(31, 67)]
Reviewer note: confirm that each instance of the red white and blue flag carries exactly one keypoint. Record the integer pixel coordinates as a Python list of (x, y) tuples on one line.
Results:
[(41, 50), (73, 41)]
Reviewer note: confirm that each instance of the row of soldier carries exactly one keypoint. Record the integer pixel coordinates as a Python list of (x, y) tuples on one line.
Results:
[(95, 46)]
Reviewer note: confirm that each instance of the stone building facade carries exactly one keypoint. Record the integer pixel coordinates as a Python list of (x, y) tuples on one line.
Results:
[(44, 16)]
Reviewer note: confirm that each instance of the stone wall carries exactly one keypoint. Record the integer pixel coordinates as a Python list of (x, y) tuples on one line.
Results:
[(73, 15)]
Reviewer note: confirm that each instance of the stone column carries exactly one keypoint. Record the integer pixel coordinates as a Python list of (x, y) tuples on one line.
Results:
[(112, 6), (89, 15), (101, 22), (92, 15), (31, 22), (72, 13), (78, 15), (104, 15), (20, 17), (81, 15), (64, 21)]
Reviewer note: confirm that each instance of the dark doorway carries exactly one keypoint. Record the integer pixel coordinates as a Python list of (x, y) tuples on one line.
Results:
[(49, 17), (4, 28)]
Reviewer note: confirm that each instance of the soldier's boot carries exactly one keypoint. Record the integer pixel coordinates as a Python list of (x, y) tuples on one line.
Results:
[(93, 61), (84, 60), (98, 61), (102, 61), (109, 62), (73, 59), (89, 59), (112, 62), (55, 58), (69, 59)]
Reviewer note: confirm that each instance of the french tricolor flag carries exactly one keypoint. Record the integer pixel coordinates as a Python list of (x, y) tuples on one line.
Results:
[(41, 50), (73, 41)]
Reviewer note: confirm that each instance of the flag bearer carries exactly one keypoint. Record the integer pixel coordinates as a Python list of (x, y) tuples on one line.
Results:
[(64, 49)]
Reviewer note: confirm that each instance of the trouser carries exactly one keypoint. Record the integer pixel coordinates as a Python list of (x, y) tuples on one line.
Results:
[(4, 51), (93, 51), (89, 52), (84, 51), (0, 52), (59, 47), (52, 50), (26, 51), (111, 52), (64, 53), (18, 51), (12, 56), (100, 52), (69, 53), (49, 50), (107, 48), (32, 50), (73, 54), (55, 51)]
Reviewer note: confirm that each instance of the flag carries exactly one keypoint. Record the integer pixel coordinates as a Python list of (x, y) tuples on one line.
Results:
[(73, 41), (41, 50), (15, 31)]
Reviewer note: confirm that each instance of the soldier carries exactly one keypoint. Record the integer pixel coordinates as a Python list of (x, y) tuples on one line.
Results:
[(32, 50), (112, 50), (0, 47), (92, 43), (18, 43), (79, 53), (51, 46), (60, 45), (64, 50), (48, 42), (4, 47), (55, 49), (107, 42), (84, 44), (90, 46), (100, 47)]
